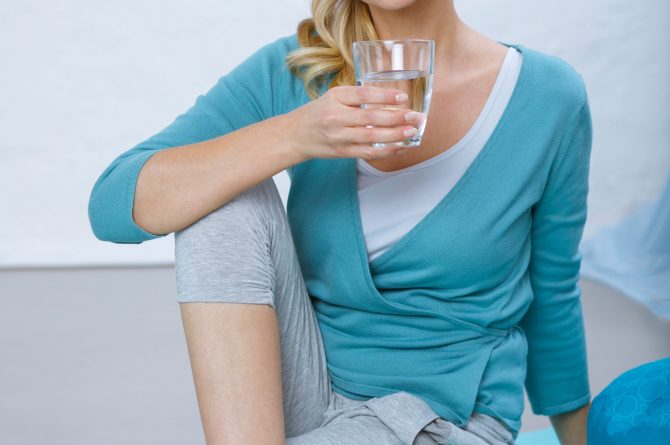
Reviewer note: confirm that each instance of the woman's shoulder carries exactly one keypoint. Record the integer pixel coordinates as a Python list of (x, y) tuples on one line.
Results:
[(288, 42), (289, 88), (263, 77), (273, 53), (280, 46), (554, 78)]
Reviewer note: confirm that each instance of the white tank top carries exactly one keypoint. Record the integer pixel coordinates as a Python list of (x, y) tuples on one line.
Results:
[(391, 203)]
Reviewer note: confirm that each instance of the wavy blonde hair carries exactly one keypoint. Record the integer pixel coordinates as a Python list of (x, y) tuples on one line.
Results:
[(326, 43)]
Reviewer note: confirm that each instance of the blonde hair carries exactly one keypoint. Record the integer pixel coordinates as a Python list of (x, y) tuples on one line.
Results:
[(326, 48), (326, 43)]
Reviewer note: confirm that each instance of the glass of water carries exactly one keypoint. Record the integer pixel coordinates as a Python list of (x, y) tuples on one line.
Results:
[(405, 65)]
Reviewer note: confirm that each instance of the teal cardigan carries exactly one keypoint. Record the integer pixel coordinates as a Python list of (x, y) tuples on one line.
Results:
[(476, 300)]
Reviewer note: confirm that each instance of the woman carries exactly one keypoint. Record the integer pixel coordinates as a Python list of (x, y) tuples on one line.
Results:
[(403, 303)]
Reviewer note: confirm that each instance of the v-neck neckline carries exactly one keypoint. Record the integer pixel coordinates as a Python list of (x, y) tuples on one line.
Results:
[(462, 142), (351, 168)]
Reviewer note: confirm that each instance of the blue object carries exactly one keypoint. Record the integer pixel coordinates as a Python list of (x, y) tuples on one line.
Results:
[(634, 409), (542, 437)]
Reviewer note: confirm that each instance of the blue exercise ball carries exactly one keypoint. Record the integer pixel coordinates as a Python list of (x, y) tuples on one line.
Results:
[(634, 409)]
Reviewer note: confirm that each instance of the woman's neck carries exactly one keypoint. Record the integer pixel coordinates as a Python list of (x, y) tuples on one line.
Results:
[(428, 19), (457, 46)]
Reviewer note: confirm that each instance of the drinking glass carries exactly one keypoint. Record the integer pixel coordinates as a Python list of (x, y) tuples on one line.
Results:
[(406, 65)]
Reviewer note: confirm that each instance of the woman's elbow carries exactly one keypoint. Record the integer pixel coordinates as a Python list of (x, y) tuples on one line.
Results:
[(110, 219)]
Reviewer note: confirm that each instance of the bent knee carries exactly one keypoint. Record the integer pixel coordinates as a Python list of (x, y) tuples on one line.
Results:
[(226, 255), (248, 214)]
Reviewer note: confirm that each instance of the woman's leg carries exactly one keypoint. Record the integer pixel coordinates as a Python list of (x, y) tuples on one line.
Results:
[(394, 419), (243, 253), (237, 390)]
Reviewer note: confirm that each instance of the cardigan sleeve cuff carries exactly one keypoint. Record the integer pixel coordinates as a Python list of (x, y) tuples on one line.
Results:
[(110, 207), (563, 407)]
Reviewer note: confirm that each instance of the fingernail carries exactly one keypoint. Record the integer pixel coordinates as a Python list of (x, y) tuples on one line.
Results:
[(412, 115), (410, 132), (401, 97)]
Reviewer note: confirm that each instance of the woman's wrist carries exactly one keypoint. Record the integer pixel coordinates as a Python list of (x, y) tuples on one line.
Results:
[(570, 427), (289, 144)]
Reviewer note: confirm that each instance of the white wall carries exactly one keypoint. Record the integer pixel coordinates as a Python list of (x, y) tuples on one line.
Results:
[(621, 49), (83, 81)]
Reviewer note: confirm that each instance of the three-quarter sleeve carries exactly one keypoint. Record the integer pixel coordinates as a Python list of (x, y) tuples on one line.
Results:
[(240, 98), (557, 374)]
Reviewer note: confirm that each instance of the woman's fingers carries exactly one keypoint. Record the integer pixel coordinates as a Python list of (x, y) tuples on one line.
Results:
[(337, 124), (358, 95), (381, 117), (369, 135), (367, 152)]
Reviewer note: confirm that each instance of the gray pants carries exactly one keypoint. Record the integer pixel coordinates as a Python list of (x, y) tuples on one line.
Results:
[(243, 253)]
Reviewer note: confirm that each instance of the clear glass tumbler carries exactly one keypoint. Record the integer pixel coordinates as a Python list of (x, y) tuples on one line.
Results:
[(405, 65)]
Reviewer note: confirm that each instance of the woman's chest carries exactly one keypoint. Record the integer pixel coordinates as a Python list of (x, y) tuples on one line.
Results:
[(452, 114), (472, 239)]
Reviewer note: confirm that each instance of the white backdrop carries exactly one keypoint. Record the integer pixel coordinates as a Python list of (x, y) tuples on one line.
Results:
[(82, 81)]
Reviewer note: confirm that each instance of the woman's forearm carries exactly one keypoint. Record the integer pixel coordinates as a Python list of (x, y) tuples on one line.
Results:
[(571, 426), (179, 185)]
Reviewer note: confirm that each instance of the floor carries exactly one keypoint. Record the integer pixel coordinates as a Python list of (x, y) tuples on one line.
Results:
[(98, 356)]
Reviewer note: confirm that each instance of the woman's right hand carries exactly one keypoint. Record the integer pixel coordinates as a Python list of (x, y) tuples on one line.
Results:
[(335, 126)]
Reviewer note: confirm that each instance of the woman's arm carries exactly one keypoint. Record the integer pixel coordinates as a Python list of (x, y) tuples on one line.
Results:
[(231, 139), (180, 185), (199, 161), (557, 375), (571, 426)]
